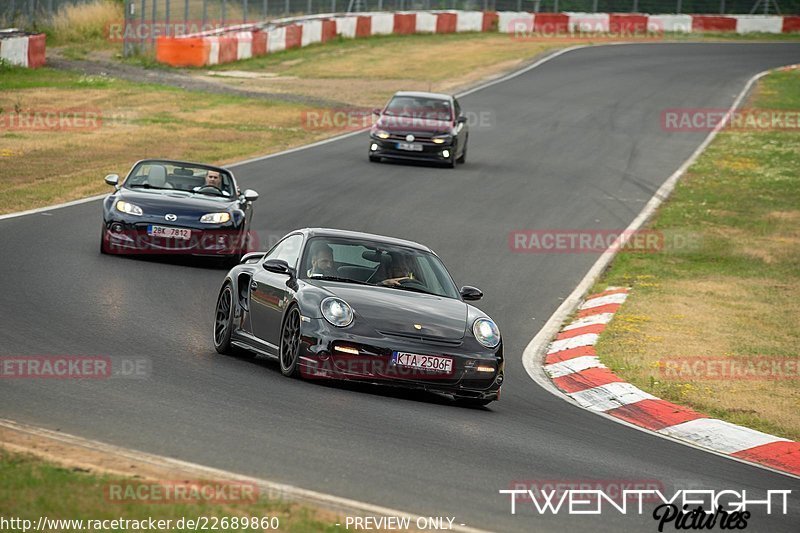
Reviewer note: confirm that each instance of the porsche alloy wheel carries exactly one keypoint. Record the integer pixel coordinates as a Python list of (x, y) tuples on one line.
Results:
[(223, 320), (290, 343)]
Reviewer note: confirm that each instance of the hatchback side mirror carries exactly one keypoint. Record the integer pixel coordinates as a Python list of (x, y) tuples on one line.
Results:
[(376, 111), (471, 293), (112, 179), (250, 195), (461, 120)]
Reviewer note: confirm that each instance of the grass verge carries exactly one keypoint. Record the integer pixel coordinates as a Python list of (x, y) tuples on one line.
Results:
[(733, 293), (33, 488), (43, 163)]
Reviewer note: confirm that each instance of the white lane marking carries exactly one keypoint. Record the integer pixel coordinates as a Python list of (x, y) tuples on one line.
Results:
[(617, 298), (719, 435), (51, 207), (587, 339), (280, 490), (610, 396), (591, 320), (534, 353), (570, 366)]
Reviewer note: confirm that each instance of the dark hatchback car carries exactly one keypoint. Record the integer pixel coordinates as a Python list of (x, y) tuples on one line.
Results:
[(422, 127), (175, 207), (333, 304)]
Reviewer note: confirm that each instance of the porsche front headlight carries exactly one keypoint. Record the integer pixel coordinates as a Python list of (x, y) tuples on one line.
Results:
[(129, 208), (337, 311), (486, 332), (215, 218)]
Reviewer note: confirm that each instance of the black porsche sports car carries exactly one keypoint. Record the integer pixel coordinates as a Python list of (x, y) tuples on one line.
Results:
[(175, 207), (335, 304), (420, 126)]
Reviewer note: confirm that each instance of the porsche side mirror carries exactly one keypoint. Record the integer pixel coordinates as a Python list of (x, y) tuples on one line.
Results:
[(471, 293), (278, 266), (250, 195), (112, 179)]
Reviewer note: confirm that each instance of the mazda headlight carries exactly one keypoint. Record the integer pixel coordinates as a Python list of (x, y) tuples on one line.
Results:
[(486, 332), (215, 218), (442, 139), (129, 208), (337, 311)]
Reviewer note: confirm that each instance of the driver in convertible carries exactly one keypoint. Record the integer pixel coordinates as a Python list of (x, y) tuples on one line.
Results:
[(398, 271), (213, 179), (322, 262)]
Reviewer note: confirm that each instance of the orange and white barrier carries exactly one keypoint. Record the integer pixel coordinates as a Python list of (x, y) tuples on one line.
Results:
[(18, 48), (251, 40)]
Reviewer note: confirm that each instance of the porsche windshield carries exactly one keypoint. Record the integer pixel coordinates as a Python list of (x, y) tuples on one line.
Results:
[(164, 175), (378, 264)]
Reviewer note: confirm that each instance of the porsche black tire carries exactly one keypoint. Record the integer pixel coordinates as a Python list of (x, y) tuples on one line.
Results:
[(289, 352), (223, 320)]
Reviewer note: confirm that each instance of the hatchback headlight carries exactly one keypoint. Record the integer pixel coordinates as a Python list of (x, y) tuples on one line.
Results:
[(129, 208), (215, 218), (486, 332), (337, 311), (442, 139), (380, 134)]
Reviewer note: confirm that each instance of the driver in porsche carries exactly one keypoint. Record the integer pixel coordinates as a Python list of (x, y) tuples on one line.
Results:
[(400, 270)]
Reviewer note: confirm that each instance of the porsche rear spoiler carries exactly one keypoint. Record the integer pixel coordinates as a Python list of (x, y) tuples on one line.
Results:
[(252, 257)]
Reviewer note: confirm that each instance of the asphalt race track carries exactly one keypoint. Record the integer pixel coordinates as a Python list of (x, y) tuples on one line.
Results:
[(574, 143)]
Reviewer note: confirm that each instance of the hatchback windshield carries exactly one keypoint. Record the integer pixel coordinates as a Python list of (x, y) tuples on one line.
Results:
[(419, 107), (164, 175), (375, 263)]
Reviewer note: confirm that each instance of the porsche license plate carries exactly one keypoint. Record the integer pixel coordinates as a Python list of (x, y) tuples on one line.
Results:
[(411, 147), (169, 233), (423, 362)]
